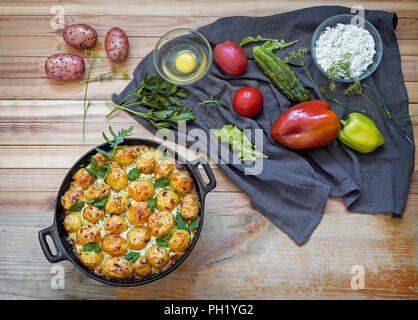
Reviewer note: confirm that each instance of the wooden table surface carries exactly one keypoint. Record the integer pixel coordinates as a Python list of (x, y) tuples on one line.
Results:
[(240, 253)]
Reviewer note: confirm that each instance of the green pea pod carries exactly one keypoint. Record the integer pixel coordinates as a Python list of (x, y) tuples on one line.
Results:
[(360, 133)]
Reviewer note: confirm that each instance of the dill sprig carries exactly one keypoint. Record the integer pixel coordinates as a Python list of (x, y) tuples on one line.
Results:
[(163, 100), (101, 77), (215, 101), (298, 58)]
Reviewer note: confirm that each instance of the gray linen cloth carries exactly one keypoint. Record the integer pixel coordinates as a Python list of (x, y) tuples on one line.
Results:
[(293, 187)]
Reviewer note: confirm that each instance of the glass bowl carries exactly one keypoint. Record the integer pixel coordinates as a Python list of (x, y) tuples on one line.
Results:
[(346, 19), (179, 41)]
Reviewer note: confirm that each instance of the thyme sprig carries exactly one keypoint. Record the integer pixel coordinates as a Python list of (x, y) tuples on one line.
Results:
[(215, 101), (163, 100), (297, 58)]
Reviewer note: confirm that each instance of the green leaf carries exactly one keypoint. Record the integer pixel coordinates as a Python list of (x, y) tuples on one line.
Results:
[(161, 183), (102, 170), (163, 241), (93, 164), (134, 174), (97, 202), (194, 224), (91, 172), (181, 223), (77, 206), (107, 154), (277, 44), (132, 256), (92, 246), (151, 204), (125, 74), (165, 155)]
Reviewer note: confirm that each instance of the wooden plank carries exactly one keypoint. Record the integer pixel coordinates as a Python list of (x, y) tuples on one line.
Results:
[(72, 90), (33, 68), (34, 133), (193, 8), (50, 180), (228, 262), (139, 47), (57, 111), (145, 26)]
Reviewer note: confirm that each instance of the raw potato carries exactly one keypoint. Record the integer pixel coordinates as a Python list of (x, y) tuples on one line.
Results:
[(64, 66), (80, 36), (116, 44)]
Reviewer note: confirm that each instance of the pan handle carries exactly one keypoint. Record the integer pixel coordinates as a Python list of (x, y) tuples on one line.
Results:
[(206, 187), (52, 232)]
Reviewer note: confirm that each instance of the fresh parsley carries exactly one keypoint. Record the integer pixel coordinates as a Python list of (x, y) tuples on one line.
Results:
[(182, 223), (77, 206), (163, 241), (151, 203), (161, 183), (134, 174), (99, 202), (132, 256), (92, 246), (163, 100)]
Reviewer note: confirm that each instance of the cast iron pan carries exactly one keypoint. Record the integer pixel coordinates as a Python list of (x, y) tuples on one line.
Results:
[(64, 249)]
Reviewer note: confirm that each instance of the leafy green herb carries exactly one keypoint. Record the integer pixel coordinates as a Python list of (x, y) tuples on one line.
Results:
[(93, 169), (133, 256), (216, 101), (194, 224), (125, 74), (161, 183), (118, 139), (297, 58), (181, 223), (77, 206), (163, 241), (93, 58), (99, 202), (92, 246), (239, 143), (151, 203), (163, 100), (165, 155), (281, 44), (102, 170), (134, 174), (104, 76)]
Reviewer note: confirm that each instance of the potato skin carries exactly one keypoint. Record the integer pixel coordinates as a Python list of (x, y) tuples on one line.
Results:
[(117, 179), (97, 191), (141, 190), (125, 156), (72, 195), (117, 268), (138, 238), (164, 170), (167, 200), (93, 214), (161, 223), (100, 158), (91, 259), (139, 213), (117, 204), (88, 233), (80, 36), (146, 163), (72, 222), (116, 44), (181, 182), (114, 245), (64, 66), (189, 206), (142, 267), (115, 224), (180, 240), (83, 178), (157, 256)]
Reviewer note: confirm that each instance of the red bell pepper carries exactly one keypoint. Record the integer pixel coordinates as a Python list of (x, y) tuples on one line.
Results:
[(306, 125)]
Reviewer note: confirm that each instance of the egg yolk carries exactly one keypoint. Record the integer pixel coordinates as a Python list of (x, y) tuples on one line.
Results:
[(185, 62)]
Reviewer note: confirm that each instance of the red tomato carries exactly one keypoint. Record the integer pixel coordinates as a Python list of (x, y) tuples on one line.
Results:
[(231, 58), (248, 102)]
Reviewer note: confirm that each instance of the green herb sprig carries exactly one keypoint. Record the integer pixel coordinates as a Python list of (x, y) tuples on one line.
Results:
[(182, 223), (163, 241), (281, 44), (215, 101), (101, 77), (92, 246), (163, 100), (132, 256), (297, 58)]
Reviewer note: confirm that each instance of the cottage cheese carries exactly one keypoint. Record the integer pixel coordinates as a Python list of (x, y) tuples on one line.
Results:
[(345, 42)]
